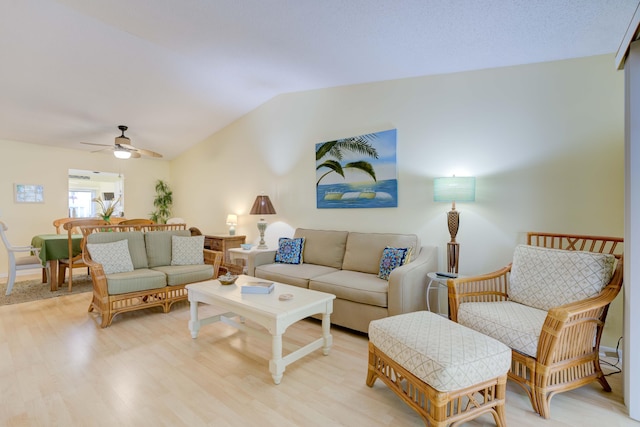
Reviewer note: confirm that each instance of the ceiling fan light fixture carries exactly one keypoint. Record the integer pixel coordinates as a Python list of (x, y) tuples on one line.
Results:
[(121, 153)]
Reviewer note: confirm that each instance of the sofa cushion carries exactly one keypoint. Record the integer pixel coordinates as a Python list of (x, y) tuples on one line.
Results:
[(290, 250), (364, 250), (183, 274), (353, 286), (391, 259), (544, 278), (137, 248), (141, 279), (517, 326), (323, 247), (187, 250), (158, 246), (114, 256), (291, 274)]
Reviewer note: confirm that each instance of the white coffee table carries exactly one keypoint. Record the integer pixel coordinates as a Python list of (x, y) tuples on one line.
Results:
[(266, 310)]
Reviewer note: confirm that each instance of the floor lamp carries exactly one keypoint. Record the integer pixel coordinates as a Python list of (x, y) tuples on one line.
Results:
[(262, 206), (454, 189)]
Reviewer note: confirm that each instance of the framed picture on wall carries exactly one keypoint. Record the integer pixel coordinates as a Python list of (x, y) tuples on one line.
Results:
[(357, 172), (28, 193)]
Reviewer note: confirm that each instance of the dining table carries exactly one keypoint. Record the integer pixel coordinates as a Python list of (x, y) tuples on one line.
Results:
[(54, 247)]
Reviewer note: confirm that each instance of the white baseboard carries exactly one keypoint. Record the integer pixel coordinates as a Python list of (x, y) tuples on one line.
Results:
[(610, 352)]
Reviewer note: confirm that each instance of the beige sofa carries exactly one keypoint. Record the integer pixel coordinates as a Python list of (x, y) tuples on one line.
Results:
[(346, 264), (154, 279)]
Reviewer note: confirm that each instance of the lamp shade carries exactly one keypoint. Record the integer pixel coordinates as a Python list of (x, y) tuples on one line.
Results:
[(262, 206), (454, 189), (232, 219)]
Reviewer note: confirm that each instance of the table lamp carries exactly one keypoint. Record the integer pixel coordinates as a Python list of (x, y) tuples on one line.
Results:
[(454, 189), (232, 221), (262, 206)]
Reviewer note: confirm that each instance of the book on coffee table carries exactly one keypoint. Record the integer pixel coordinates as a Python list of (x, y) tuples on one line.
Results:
[(257, 288)]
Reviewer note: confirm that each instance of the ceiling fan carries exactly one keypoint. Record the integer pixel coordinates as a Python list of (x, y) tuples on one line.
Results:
[(123, 149)]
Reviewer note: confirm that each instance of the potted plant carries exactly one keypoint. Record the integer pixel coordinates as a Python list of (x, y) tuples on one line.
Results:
[(106, 208), (162, 202)]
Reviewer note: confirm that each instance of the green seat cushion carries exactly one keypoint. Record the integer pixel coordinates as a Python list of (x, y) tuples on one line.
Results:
[(183, 274), (141, 279)]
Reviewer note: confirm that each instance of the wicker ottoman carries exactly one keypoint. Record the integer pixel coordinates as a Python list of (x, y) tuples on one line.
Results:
[(446, 372)]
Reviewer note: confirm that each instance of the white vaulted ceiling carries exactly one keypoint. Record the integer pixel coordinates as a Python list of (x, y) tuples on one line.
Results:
[(177, 71)]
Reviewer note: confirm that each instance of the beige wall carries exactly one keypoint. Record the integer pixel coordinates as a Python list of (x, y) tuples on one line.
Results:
[(38, 164), (545, 141)]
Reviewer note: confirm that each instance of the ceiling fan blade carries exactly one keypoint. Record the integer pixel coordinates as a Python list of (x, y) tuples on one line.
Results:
[(142, 151), (91, 143), (149, 153), (135, 155), (101, 150)]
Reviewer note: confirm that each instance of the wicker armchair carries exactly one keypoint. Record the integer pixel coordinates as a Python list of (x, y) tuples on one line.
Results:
[(565, 353)]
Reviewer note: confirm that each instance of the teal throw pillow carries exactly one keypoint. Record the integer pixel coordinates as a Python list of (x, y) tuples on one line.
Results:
[(290, 250), (393, 258)]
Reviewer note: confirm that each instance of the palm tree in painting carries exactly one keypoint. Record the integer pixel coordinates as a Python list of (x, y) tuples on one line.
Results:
[(357, 144)]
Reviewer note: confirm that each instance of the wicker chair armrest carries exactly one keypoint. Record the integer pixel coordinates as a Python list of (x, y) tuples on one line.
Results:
[(485, 288), (213, 258), (98, 277), (575, 329)]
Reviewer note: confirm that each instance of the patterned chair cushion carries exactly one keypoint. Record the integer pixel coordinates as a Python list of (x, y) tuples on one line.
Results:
[(443, 354), (513, 324), (544, 278)]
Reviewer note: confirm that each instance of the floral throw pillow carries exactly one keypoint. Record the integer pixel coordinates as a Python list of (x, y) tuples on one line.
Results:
[(393, 258), (290, 250), (114, 257)]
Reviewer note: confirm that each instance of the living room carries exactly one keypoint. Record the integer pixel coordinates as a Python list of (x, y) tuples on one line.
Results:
[(545, 142)]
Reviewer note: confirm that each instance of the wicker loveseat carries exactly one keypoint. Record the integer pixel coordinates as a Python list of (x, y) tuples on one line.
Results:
[(155, 278), (549, 306)]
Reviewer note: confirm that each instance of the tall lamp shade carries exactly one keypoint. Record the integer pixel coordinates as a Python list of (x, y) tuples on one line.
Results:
[(262, 206), (454, 189)]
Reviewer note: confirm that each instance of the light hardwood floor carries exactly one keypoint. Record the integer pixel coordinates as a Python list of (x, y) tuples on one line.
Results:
[(58, 368)]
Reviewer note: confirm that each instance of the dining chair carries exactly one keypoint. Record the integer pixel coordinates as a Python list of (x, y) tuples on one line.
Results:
[(58, 224), (116, 220), (74, 261), (137, 223), (28, 262)]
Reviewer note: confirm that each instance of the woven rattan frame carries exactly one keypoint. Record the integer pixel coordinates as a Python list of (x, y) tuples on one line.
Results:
[(568, 347), (108, 306), (438, 408)]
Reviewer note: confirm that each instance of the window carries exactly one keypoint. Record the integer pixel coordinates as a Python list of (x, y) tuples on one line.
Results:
[(84, 186)]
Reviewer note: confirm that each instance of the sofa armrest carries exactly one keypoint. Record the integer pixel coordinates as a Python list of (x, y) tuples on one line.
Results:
[(408, 284), (256, 258), (98, 278)]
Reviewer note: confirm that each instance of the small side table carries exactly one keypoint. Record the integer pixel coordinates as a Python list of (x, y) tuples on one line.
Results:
[(436, 283), (239, 254)]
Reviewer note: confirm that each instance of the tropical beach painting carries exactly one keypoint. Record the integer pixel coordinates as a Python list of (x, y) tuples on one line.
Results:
[(357, 172)]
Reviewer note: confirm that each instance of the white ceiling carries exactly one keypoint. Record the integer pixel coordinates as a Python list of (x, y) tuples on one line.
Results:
[(177, 71)]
